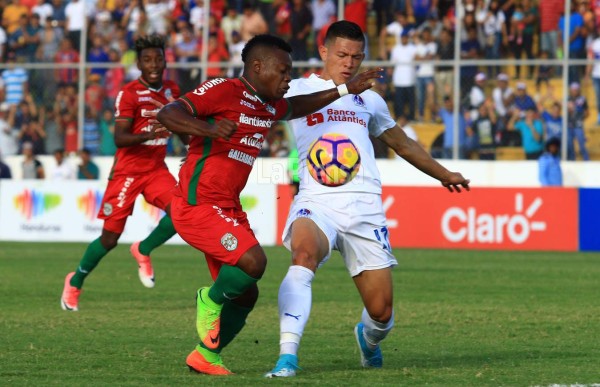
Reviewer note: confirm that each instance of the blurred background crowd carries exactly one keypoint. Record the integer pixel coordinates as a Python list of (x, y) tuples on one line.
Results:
[(518, 106)]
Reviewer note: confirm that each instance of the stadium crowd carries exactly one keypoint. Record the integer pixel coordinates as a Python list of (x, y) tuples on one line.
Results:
[(40, 106)]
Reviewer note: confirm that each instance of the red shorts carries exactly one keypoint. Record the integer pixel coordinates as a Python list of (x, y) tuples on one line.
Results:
[(121, 192), (223, 235)]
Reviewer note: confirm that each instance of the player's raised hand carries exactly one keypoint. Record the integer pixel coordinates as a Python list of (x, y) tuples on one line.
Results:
[(455, 182), (223, 129), (363, 81)]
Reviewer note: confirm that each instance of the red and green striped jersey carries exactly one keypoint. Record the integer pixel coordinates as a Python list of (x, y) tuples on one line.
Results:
[(216, 170), (133, 104)]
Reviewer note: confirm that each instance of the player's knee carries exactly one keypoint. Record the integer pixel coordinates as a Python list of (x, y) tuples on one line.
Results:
[(303, 257), (254, 262), (109, 242), (382, 313)]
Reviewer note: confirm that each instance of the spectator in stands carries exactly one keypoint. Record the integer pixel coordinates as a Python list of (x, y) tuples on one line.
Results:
[(552, 121), (444, 74), (25, 40), (98, 54), (65, 55), (469, 49), (383, 15), (3, 42), (550, 172), (91, 131), (107, 131), (403, 56), (522, 100), (32, 168), (434, 25), (446, 113), (593, 69), (576, 35), (186, 51), (55, 137), (216, 53), (232, 21), (114, 79), (63, 170), (157, 12), (530, 21), (44, 10), (532, 132), (578, 111), (503, 97), (5, 172), (11, 16), (8, 135), (58, 13), (283, 26), (301, 19), (15, 79), (50, 38), (426, 51), (235, 55), (135, 20), (484, 131), (252, 23), (493, 23), (323, 13), (544, 73), (357, 11), (74, 12), (477, 96), (550, 13), (394, 29), (87, 170), (409, 130)]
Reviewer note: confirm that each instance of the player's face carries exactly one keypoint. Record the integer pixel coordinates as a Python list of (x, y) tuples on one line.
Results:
[(152, 64), (341, 59), (275, 75)]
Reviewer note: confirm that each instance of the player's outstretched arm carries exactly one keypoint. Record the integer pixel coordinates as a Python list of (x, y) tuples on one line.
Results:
[(176, 118), (412, 152), (303, 105)]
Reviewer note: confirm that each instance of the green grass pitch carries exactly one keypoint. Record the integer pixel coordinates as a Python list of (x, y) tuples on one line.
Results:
[(463, 318)]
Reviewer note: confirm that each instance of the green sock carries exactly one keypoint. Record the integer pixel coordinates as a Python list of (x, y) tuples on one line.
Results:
[(233, 319), (162, 233), (93, 254), (230, 284)]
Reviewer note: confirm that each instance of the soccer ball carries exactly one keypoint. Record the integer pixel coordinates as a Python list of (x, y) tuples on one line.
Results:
[(333, 160)]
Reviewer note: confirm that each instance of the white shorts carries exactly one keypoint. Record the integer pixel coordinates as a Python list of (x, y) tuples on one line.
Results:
[(354, 224)]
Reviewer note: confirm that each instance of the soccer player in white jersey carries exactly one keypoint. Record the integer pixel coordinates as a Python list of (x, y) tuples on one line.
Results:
[(348, 218)]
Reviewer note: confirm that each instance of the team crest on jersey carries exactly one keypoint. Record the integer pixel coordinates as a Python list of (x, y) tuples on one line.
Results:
[(168, 93), (270, 109), (107, 209), (229, 242), (358, 101), (303, 213)]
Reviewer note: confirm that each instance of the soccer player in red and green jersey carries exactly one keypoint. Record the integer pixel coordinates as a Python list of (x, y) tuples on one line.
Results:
[(139, 168), (206, 209)]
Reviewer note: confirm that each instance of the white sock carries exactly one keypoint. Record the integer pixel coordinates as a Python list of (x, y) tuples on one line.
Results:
[(295, 300), (374, 332)]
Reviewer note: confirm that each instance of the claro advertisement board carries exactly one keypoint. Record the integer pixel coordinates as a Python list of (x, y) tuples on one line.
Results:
[(484, 218)]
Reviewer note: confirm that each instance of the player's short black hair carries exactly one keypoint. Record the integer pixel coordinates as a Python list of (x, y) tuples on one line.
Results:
[(264, 40), (149, 41), (344, 29), (552, 141)]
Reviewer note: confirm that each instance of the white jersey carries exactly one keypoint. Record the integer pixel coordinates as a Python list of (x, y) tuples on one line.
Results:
[(355, 116)]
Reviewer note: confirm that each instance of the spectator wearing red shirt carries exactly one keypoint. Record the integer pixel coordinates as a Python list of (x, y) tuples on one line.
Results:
[(94, 94), (550, 11), (66, 54), (283, 27), (114, 79), (356, 11), (216, 53)]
